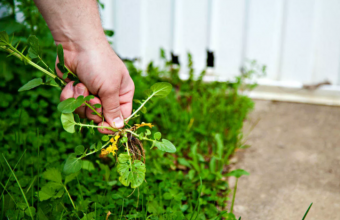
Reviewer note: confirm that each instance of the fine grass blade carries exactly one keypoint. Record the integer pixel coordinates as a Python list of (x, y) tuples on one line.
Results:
[(11, 175), (23, 194), (234, 195), (307, 211), (8, 193), (198, 205)]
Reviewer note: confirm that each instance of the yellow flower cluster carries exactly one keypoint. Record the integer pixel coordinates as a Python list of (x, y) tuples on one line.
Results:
[(144, 124), (112, 148)]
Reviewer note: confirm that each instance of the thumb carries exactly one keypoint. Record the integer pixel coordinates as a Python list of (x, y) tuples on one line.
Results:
[(111, 108)]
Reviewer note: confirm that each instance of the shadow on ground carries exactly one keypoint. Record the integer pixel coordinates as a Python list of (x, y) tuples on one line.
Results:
[(294, 160)]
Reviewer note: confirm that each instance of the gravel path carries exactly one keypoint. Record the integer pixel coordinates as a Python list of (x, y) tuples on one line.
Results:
[(294, 159)]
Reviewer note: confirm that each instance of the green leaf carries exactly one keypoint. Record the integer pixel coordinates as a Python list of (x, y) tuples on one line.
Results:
[(76, 118), (123, 158), (109, 33), (70, 177), (33, 51), (88, 165), (31, 84), (62, 69), (79, 150), (97, 105), (99, 145), (90, 216), (147, 132), (135, 176), (52, 174), (67, 120), (4, 39), (161, 89), (105, 138), (30, 210), (238, 173), (166, 146), (72, 164), (49, 190), (143, 110), (89, 97), (157, 135), (123, 140), (65, 75), (71, 104), (60, 51)]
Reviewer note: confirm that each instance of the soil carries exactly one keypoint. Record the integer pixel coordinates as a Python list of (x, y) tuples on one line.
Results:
[(294, 160)]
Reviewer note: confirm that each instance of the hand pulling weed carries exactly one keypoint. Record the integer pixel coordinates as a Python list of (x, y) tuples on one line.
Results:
[(131, 164)]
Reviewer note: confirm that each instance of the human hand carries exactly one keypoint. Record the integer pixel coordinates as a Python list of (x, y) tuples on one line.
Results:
[(103, 74)]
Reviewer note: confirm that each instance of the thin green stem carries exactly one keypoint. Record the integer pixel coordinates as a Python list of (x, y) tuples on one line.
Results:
[(140, 107), (94, 110), (127, 149), (8, 193), (95, 151), (11, 175), (47, 67), (96, 126), (234, 195), (69, 196), (22, 191), (18, 54), (144, 138)]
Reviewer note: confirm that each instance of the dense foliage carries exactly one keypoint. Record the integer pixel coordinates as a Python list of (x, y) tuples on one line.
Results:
[(203, 120)]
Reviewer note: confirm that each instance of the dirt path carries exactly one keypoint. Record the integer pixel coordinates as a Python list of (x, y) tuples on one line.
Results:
[(294, 160)]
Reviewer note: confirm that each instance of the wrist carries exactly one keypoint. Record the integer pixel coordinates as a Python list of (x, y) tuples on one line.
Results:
[(78, 41)]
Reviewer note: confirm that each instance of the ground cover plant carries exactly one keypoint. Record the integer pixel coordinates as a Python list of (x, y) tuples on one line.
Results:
[(203, 120)]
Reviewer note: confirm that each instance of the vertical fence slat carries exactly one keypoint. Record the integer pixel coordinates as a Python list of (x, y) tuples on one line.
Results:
[(228, 36), (297, 56), (264, 34), (156, 30), (327, 44), (191, 32), (128, 28)]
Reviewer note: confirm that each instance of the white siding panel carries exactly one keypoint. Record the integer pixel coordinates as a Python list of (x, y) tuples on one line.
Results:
[(107, 15), (156, 30), (228, 38), (327, 46), (191, 31), (264, 34), (297, 57), (127, 40)]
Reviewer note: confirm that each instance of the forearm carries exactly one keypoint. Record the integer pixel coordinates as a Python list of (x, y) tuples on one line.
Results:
[(73, 23)]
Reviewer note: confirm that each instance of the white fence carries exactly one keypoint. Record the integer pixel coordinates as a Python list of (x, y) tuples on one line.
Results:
[(298, 40)]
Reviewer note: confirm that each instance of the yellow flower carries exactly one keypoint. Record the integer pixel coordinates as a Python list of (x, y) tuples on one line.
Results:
[(144, 124), (111, 148)]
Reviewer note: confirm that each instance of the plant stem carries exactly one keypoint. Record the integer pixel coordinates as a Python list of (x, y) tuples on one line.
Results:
[(23, 194), (88, 105), (234, 195), (69, 196), (140, 107), (18, 54), (107, 143), (95, 126), (127, 149), (144, 138), (47, 67)]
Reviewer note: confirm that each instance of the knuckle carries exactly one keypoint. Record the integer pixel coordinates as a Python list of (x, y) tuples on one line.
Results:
[(113, 110)]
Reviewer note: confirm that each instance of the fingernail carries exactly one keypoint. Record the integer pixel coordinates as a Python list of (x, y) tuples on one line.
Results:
[(71, 86), (80, 90), (118, 122)]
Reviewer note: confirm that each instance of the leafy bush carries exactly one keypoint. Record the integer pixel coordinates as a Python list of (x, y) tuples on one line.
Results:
[(204, 120)]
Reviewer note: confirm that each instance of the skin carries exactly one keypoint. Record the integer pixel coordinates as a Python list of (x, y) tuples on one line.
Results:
[(76, 25)]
